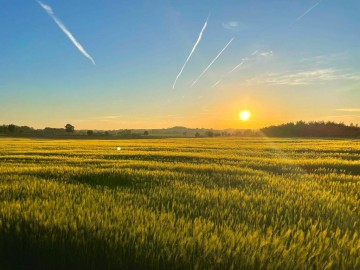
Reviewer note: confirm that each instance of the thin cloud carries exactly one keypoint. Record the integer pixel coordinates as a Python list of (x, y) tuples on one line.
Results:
[(192, 51), (50, 12), (304, 77), (349, 110), (212, 62), (305, 13), (325, 59), (233, 26), (266, 54)]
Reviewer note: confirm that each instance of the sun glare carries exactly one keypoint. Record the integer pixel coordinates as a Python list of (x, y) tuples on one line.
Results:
[(244, 115)]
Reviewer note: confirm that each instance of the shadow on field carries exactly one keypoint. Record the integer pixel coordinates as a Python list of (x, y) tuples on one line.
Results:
[(119, 179), (27, 245), (106, 179)]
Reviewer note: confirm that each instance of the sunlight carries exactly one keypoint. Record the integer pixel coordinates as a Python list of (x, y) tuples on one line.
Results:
[(244, 115)]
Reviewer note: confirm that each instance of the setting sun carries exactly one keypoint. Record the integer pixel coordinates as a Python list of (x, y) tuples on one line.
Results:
[(244, 115)]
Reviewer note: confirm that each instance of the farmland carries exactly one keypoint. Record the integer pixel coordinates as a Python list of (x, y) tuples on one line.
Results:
[(208, 203)]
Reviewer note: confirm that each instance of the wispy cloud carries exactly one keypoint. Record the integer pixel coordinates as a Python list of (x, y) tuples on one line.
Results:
[(263, 54), (266, 54), (233, 25), (325, 59), (212, 62), (305, 13), (304, 77), (50, 12), (192, 50), (349, 110)]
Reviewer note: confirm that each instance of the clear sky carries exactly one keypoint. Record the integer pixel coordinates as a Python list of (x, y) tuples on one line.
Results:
[(113, 64)]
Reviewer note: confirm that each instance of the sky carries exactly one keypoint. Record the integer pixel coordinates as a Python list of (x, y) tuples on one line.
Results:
[(158, 64)]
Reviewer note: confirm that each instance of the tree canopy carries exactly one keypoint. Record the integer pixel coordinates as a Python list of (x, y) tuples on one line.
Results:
[(69, 128), (312, 129)]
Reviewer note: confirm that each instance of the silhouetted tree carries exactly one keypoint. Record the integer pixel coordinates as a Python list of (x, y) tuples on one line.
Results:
[(69, 128), (197, 134), (3, 129), (11, 128), (210, 133), (146, 133), (312, 129), (90, 132)]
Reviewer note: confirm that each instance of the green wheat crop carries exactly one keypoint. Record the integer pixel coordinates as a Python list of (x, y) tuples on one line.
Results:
[(217, 203)]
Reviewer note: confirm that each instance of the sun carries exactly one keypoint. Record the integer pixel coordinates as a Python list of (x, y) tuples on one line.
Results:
[(244, 115)]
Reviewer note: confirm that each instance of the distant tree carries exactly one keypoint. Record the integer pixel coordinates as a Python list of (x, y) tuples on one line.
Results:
[(210, 133), (248, 133), (146, 133), (197, 134), (185, 133), (107, 133), (90, 132), (11, 128), (312, 129), (26, 129), (54, 131), (3, 129), (69, 128)]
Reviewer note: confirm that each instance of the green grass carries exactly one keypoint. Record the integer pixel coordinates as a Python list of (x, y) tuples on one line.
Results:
[(210, 203)]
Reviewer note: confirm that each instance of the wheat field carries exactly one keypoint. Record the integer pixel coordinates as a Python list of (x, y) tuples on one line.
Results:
[(207, 203)]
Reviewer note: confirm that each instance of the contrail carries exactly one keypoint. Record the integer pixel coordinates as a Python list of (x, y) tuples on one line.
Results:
[(219, 81), (235, 68), (231, 71), (212, 62), (306, 12), (192, 51), (50, 12)]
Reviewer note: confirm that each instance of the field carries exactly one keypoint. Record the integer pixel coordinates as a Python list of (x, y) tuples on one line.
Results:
[(215, 203)]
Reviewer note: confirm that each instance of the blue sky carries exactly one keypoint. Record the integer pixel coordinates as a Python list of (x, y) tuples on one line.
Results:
[(297, 65)]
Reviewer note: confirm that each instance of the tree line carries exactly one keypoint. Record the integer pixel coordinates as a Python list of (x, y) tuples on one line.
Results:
[(297, 129), (313, 129), (14, 129)]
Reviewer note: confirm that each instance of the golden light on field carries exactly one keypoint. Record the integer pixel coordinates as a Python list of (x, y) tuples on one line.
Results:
[(244, 115)]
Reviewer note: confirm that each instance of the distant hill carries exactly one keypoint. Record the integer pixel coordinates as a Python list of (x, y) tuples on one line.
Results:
[(313, 129)]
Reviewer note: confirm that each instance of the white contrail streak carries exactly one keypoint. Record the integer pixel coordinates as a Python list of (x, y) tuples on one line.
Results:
[(192, 51), (306, 12), (235, 68), (231, 71), (212, 62), (50, 12), (219, 81)]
